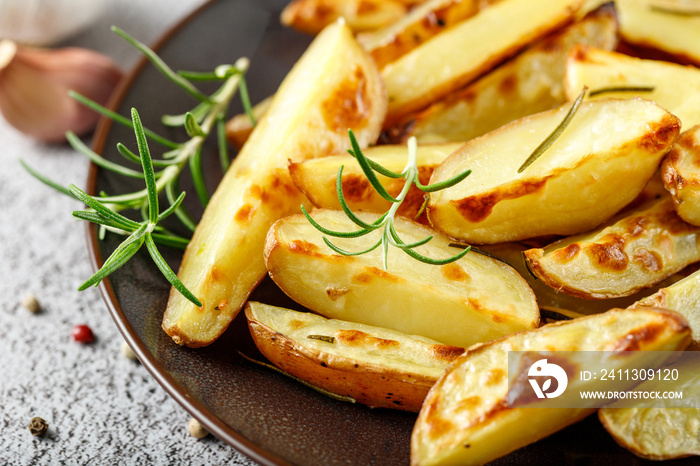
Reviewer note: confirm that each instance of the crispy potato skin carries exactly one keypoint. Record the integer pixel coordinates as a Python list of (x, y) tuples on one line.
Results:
[(581, 181), (682, 297), (223, 262), (461, 303), (317, 178), (387, 44), (681, 175), (654, 433), (311, 16), (675, 87), (529, 83), (366, 378), (676, 34), (434, 69), (464, 419), (637, 251)]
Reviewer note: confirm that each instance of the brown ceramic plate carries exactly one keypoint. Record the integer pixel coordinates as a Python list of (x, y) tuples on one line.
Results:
[(257, 411)]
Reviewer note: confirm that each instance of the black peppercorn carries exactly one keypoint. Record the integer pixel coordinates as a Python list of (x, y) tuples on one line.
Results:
[(38, 427)]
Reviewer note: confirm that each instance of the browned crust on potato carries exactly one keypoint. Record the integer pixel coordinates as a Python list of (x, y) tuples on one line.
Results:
[(372, 385), (672, 322), (632, 447)]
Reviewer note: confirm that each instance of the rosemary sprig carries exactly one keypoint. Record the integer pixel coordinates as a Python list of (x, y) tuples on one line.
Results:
[(547, 143), (207, 117), (386, 221), (139, 232), (611, 89)]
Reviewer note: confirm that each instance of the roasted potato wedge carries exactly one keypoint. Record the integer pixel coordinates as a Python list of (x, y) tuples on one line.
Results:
[(311, 16), (375, 366), (474, 299), (467, 50), (318, 180), (661, 432), (682, 297), (586, 176), (676, 87), (669, 25), (681, 174), (423, 22), (655, 433), (551, 300), (239, 127), (634, 252), (224, 262), (464, 420), (529, 83)]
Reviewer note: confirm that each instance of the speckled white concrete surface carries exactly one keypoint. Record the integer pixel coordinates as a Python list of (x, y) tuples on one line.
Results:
[(102, 408)]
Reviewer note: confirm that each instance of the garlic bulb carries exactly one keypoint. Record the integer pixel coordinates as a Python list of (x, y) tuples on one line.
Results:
[(45, 22), (34, 85)]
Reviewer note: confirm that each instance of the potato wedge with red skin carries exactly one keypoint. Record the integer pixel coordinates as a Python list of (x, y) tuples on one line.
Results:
[(529, 83), (316, 178), (637, 251), (464, 419), (681, 174), (223, 262), (473, 299), (375, 366), (599, 163)]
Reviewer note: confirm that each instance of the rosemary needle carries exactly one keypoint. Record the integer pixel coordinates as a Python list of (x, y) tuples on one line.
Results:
[(547, 143), (205, 119), (385, 222)]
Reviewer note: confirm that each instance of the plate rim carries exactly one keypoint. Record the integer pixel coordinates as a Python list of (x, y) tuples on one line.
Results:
[(212, 423)]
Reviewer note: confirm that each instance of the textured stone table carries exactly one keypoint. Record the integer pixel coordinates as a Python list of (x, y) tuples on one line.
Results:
[(102, 407)]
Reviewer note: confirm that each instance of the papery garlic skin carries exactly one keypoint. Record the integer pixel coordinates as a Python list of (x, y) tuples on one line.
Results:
[(34, 85)]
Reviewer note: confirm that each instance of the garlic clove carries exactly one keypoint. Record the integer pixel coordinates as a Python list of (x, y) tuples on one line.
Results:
[(34, 85)]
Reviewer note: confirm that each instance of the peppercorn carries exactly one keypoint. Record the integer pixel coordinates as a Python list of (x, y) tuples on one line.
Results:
[(83, 334), (196, 429), (30, 303), (38, 427)]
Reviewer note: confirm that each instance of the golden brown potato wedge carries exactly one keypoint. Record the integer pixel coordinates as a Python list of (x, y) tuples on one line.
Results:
[(375, 366), (223, 262), (669, 25), (655, 433), (239, 127), (423, 22), (467, 50), (553, 301), (661, 430), (676, 87), (600, 163), (311, 16), (631, 253), (682, 297), (474, 299), (681, 174), (464, 419), (529, 83), (317, 178)]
